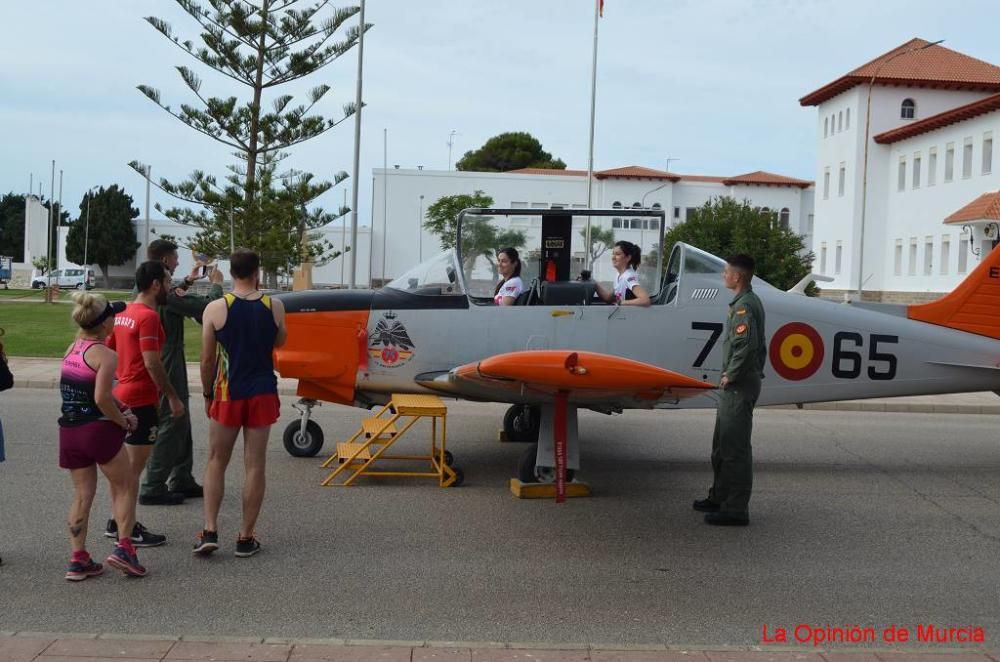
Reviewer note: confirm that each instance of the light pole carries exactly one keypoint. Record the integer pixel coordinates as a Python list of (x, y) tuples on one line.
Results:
[(451, 141), (864, 174), (86, 230), (420, 228)]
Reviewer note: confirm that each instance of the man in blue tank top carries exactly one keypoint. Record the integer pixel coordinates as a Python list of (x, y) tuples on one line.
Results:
[(239, 334)]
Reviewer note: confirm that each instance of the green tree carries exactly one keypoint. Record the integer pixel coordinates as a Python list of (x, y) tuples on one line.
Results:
[(724, 226), (509, 151), (12, 226), (480, 238), (261, 46), (601, 239), (111, 234)]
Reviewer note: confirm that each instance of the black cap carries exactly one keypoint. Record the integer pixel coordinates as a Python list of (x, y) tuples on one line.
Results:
[(112, 309)]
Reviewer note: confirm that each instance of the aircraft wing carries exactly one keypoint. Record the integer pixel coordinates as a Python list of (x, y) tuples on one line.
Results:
[(589, 378)]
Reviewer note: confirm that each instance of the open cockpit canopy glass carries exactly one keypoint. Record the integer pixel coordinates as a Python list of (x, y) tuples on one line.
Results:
[(553, 248)]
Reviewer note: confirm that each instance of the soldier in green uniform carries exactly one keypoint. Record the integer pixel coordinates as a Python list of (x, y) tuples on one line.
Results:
[(743, 354), (169, 478)]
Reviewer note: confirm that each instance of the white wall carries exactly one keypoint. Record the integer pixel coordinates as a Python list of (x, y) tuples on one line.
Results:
[(838, 218), (398, 206), (920, 212)]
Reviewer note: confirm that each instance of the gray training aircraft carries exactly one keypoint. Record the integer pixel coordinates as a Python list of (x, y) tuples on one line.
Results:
[(435, 329)]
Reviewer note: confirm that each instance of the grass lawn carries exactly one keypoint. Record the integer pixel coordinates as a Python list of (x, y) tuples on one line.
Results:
[(40, 330)]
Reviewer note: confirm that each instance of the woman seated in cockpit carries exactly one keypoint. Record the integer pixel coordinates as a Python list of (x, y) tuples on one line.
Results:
[(625, 258), (508, 289)]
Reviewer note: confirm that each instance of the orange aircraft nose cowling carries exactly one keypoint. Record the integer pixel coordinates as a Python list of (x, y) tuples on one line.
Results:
[(580, 371), (322, 352)]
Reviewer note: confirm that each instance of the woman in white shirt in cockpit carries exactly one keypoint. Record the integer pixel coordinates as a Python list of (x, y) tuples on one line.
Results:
[(508, 289), (625, 258)]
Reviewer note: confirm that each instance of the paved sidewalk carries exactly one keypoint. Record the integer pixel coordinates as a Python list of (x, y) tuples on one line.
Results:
[(44, 373), (54, 647)]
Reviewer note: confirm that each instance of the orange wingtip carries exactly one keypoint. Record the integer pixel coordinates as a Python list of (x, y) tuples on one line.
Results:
[(973, 306), (575, 371)]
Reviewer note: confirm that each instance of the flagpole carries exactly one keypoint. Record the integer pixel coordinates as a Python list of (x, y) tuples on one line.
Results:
[(358, 105), (593, 104)]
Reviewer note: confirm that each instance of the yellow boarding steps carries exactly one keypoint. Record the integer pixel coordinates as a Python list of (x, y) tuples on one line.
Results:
[(376, 435)]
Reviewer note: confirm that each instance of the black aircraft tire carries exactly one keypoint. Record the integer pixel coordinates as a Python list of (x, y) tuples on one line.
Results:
[(520, 423), (459, 477), (299, 445)]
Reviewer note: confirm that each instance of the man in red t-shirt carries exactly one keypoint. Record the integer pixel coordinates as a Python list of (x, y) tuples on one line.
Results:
[(138, 339)]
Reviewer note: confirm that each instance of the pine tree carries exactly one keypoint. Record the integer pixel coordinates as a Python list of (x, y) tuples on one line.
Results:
[(262, 45)]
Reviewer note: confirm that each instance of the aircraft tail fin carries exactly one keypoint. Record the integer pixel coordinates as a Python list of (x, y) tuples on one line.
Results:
[(973, 306)]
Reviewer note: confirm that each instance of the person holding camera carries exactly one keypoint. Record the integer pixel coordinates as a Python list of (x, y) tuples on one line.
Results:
[(169, 474)]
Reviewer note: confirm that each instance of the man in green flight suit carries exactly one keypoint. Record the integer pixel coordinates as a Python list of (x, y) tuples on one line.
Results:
[(169, 478), (744, 351)]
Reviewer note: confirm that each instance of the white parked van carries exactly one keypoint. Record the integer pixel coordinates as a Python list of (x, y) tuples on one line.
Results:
[(67, 279)]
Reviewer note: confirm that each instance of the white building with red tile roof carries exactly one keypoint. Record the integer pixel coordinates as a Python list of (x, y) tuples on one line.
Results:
[(402, 196), (933, 116)]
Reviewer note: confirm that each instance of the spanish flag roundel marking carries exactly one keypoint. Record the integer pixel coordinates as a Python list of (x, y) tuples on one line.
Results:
[(796, 351)]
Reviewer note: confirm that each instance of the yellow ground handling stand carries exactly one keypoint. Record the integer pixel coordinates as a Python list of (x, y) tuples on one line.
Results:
[(377, 434)]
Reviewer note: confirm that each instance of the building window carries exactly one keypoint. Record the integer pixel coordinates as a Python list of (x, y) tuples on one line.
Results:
[(949, 162), (931, 166), (839, 258), (847, 119), (637, 224), (912, 267), (897, 264), (841, 179), (826, 184), (822, 258), (840, 121), (928, 256), (916, 170), (945, 254), (689, 212), (988, 153), (654, 224), (677, 212), (784, 217), (616, 205), (963, 253), (902, 174), (967, 159), (616, 223), (826, 126), (908, 110), (809, 224)]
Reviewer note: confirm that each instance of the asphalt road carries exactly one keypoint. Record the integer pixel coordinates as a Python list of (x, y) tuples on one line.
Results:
[(857, 518)]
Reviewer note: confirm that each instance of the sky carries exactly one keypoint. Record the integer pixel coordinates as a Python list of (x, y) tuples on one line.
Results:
[(712, 85)]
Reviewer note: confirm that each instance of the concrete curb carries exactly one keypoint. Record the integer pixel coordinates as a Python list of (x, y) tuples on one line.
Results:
[(990, 653)]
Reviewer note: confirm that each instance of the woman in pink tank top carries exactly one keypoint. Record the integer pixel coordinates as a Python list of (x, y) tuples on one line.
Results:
[(92, 431)]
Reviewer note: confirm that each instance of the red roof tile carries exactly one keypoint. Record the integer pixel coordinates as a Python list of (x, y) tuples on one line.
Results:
[(941, 120), (636, 172), (761, 178), (548, 171), (935, 66), (985, 207)]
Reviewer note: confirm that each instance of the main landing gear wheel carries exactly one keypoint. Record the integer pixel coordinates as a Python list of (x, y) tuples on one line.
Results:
[(521, 422), (528, 472), (303, 444)]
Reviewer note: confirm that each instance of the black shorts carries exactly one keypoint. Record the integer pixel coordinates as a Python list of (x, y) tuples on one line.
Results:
[(149, 426)]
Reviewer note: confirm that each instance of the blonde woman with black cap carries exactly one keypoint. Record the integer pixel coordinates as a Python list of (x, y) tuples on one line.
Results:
[(92, 432)]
